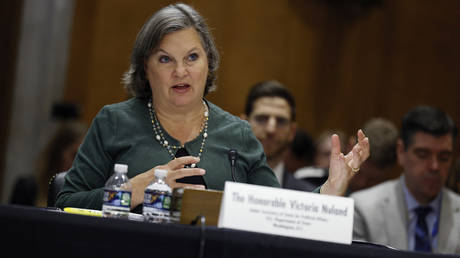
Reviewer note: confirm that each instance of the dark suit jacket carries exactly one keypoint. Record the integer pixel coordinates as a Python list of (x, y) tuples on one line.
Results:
[(290, 182), (312, 176)]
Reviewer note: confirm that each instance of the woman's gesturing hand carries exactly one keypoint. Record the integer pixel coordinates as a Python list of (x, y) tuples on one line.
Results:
[(343, 167), (176, 169)]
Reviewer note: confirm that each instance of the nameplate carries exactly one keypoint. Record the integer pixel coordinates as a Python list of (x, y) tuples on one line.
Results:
[(287, 213)]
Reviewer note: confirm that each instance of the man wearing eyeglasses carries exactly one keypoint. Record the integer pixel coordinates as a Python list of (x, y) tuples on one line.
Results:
[(270, 110)]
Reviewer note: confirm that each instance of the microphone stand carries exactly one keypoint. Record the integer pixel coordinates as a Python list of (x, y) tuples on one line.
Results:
[(232, 155)]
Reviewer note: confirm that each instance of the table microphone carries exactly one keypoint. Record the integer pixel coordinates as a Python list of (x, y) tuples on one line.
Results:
[(232, 156)]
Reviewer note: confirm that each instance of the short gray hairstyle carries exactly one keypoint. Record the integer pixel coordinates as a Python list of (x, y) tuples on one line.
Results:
[(169, 19)]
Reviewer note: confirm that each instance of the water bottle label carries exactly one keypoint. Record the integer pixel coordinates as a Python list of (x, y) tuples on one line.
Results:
[(157, 201), (117, 198)]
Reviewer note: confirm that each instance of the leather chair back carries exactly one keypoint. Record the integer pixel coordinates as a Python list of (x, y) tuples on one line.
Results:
[(55, 185)]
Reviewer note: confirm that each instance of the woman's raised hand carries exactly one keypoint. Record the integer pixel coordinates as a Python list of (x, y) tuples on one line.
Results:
[(176, 169), (343, 167)]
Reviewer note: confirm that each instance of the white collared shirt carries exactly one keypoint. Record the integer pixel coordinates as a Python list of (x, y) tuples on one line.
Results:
[(279, 172)]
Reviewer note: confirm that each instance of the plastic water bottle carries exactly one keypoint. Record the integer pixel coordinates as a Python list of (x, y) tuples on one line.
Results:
[(117, 194), (157, 199)]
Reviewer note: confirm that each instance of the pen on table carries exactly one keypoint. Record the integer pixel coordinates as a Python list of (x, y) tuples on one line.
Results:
[(81, 211)]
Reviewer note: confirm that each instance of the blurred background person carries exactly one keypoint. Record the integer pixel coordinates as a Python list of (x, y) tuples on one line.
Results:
[(270, 110), (317, 173), (323, 147), (57, 157), (301, 152), (416, 211), (383, 136)]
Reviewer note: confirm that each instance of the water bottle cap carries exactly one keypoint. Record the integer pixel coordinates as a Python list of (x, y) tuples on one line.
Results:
[(178, 191), (161, 173), (121, 168)]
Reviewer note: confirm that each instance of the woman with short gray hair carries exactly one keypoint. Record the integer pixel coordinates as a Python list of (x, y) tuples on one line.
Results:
[(169, 19), (168, 123)]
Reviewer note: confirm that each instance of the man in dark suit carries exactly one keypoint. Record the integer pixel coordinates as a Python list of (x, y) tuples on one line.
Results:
[(270, 110), (415, 212)]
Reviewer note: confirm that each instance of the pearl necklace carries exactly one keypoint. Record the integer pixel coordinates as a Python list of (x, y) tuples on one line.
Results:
[(161, 139)]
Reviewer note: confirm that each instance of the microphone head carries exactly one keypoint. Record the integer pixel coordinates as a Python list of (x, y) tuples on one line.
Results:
[(232, 154)]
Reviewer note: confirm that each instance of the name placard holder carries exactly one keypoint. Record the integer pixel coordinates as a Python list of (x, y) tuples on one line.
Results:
[(287, 213)]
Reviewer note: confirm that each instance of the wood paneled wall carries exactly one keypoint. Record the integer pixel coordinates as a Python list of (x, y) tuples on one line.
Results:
[(10, 22), (345, 62)]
